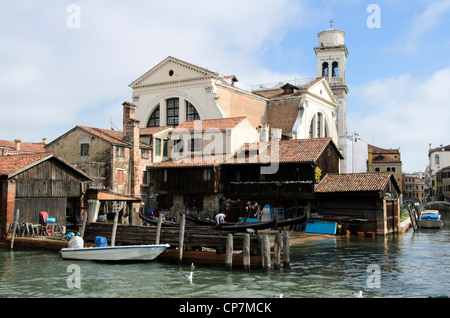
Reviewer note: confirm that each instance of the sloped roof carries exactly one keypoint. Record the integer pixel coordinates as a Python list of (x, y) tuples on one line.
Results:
[(378, 150), (25, 147), (283, 151), (153, 130), (209, 124), (111, 136), (355, 182), (280, 92), (13, 165)]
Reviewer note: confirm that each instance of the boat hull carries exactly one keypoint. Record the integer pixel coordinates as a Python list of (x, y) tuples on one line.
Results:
[(431, 224), (114, 253)]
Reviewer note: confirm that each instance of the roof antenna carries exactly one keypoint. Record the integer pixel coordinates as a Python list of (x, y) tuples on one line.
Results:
[(113, 126), (331, 23)]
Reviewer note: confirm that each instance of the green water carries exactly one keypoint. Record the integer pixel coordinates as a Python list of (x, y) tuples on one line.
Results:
[(405, 265)]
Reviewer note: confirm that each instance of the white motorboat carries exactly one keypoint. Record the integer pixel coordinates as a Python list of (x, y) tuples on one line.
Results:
[(115, 253), (430, 219)]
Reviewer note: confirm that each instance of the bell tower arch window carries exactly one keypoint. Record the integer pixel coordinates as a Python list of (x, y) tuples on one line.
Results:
[(325, 69), (173, 109), (154, 118), (335, 72)]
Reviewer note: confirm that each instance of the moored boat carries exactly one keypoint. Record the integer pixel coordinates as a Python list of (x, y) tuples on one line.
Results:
[(115, 253), (430, 219)]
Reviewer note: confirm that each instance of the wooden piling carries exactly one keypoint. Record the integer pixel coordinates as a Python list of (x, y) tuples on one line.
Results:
[(83, 225), (114, 229), (229, 252), (277, 252), (158, 229), (181, 238), (286, 251), (246, 252), (16, 222), (265, 252)]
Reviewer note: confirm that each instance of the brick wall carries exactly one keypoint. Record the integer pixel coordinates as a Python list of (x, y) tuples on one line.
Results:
[(8, 197)]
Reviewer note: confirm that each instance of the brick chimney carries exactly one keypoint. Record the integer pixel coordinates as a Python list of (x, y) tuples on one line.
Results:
[(18, 141), (131, 135)]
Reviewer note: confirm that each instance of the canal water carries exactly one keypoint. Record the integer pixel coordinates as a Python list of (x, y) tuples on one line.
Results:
[(412, 264)]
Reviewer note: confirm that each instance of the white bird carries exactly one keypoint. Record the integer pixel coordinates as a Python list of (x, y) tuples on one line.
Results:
[(358, 295), (192, 266)]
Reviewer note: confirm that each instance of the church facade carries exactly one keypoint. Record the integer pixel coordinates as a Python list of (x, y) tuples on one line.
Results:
[(175, 91)]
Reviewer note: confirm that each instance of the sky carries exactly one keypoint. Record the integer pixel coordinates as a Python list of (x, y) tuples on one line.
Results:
[(67, 63)]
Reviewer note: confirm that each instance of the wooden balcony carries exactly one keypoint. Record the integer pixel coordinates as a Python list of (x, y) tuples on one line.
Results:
[(270, 189)]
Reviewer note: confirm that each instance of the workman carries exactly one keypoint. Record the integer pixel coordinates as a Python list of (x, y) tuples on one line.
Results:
[(220, 218), (75, 241)]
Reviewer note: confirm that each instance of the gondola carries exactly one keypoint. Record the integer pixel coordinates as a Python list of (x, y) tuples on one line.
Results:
[(198, 221), (245, 226), (154, 221), (294, 221)]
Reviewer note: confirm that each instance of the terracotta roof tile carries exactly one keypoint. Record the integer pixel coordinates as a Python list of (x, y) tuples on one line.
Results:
[(285, 151), (10, 165), (354, 182), (209, 124), (25, 147), (153, 130)]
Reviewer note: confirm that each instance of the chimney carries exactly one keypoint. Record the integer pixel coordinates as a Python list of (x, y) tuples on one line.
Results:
[(44, 141), (18, 141), (131, 135)]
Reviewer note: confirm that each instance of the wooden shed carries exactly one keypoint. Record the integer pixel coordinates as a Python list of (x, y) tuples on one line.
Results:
[(39, 182), (360, 202)]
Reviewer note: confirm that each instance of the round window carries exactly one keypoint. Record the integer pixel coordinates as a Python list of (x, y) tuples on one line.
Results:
[(171, 73)]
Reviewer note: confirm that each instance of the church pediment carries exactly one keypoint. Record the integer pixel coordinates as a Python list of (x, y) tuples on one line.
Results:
[(321, 89), (172, 70)]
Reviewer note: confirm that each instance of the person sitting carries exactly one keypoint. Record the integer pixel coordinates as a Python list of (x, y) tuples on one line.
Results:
[(75, 241)]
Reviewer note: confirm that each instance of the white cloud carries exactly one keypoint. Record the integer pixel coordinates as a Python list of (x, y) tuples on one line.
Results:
[(403, 112), (52, 76)]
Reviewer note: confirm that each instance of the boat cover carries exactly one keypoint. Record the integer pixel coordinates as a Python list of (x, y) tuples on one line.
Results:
[(429, 217)]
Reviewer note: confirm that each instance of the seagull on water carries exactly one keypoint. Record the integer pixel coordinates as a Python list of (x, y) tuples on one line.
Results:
[(358, 295)]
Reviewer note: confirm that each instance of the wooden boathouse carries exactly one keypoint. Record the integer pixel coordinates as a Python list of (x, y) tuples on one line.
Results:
[(33, 183)]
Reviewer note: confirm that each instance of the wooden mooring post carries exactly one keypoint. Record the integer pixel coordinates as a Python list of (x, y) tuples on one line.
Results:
[(114, 229), (158, 229), (229, 252), (277, 252), (181, 238), (246, 252), (286, 251), (83, 225), (16, 222), (265, 250)]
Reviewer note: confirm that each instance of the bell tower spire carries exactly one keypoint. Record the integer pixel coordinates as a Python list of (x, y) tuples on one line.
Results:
[(332, 56)]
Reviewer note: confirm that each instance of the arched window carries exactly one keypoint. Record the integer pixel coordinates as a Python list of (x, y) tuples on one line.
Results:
[(335, 72), (191, 112), (154, 118), (173, 106), (318, 127), (325, 69), (436, 159)]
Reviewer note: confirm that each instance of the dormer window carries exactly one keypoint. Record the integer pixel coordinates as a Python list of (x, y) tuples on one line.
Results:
[(289, 88)]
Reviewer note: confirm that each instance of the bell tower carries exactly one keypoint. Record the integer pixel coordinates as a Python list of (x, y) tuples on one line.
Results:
[(331, 61)]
